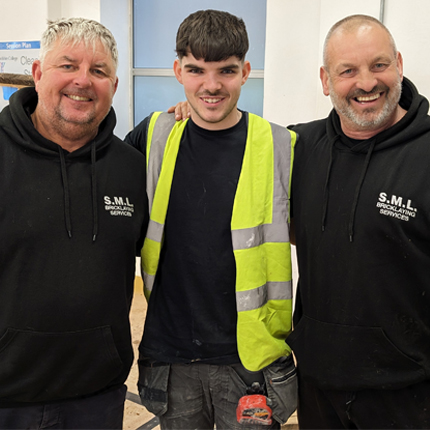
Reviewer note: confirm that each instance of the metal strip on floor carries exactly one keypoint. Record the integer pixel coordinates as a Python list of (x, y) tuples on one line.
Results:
[(150, 424), (133, 398)]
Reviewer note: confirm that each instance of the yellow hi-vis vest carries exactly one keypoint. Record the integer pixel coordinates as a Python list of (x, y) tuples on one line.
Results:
[(259, 231)]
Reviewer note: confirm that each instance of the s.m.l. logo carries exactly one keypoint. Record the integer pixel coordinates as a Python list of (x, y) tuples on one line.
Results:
[(118, 206), (396, 207)]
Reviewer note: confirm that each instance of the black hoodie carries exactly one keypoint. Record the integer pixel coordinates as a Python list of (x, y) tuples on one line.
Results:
[(71, 225), (362, 218)]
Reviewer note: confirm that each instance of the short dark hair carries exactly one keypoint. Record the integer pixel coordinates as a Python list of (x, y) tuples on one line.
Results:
[(212, 35)]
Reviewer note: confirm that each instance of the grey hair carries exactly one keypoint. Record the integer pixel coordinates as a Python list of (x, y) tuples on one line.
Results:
[(353, 22), (77, 30)]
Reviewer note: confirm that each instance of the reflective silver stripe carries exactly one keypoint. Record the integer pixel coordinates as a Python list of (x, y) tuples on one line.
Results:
[(148, 281), (256, 298), (160, 134), (276, 232), (282, 167), (279, 290), (255, 236), (155, 231)]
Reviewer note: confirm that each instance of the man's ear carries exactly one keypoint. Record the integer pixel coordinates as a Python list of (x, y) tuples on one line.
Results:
[(246, 70), (178, 70), (36, 71), (324, 81), (400, 65)]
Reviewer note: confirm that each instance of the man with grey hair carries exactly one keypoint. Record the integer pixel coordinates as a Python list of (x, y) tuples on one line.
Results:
[(361, 208), (72, 220)]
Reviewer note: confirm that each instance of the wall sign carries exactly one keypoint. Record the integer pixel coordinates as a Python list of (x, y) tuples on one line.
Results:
[(16, 57)]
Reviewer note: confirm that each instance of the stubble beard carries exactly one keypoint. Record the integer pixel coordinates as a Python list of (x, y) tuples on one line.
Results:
[(368, 119), (73, 128)]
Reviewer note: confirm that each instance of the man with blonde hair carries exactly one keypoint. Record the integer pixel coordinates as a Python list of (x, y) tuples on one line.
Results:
[(72, 219)]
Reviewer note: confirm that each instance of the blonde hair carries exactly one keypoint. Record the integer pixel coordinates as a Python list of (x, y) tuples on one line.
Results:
[(77, 30)]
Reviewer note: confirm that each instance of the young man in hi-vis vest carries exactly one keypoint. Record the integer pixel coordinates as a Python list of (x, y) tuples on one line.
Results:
[(216, 258)]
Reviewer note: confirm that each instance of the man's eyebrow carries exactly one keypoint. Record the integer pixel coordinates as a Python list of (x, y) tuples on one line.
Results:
[(384, 59), (194, 66), (191, 66), (67, 58), (378, 59), (345, 66), (102, 65), (230, 66)]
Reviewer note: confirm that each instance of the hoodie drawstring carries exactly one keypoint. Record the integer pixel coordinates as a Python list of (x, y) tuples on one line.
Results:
[(94, 191), (66, 190), (327, 179), (357, 190)]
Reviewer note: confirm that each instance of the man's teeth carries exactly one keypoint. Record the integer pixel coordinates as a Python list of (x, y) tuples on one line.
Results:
[(368, 98), (78, 98), (211, 100)]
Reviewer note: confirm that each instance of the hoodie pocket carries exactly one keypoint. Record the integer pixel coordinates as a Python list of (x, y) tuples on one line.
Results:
[(336, 356), (40, 366)]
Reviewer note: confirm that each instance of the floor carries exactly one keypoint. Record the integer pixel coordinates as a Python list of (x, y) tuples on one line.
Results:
[(136, 417)]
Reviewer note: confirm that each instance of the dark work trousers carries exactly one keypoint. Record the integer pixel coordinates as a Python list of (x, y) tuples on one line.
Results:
[(405, 408), (103, 411), (201, 395)]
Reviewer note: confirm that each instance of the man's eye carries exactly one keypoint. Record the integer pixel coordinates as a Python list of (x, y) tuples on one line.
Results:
[(380, 66)]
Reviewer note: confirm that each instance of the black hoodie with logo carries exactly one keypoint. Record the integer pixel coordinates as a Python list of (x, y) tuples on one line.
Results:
[(362, 220), (71, 225)]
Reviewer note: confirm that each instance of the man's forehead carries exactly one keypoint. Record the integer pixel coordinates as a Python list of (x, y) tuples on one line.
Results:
[(364, 33), (348, 45), (73, 51)]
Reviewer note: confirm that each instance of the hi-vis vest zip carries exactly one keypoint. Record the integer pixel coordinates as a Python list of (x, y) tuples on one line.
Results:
[(259, 231)]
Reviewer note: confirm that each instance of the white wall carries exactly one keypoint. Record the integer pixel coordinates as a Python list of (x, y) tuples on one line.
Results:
[(26, 19), (25, 22), (79, 8), (408, 22)]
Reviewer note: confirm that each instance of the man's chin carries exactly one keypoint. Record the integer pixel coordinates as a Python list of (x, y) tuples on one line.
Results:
[(74, 120)]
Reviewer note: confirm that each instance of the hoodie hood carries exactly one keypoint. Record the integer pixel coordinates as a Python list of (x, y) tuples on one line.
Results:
[(16, 123), (407, 128)]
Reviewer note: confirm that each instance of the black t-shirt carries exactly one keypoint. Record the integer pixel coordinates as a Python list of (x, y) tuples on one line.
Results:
[(192, 310)]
